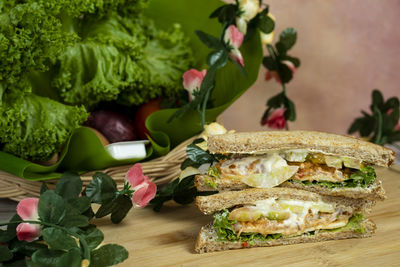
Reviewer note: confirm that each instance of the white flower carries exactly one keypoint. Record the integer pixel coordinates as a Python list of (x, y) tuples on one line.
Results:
[(250, 8)]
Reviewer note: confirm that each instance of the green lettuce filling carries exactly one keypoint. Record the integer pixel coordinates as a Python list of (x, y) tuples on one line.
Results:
[(225, 232), (362, 178)]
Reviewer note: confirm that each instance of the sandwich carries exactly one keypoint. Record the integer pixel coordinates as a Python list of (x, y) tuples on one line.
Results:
[(322, 163), (258, 217)]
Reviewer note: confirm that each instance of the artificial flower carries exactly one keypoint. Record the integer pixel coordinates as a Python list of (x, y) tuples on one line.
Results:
[(234, 39), (267, 38), (397, 127), (274, 74), (276, 120), (27, 209), (144, 189), (241, 24), (249, 9), (213, 128), (192, 80)]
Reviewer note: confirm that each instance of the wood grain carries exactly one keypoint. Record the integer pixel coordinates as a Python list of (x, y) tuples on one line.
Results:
[(167, 239)]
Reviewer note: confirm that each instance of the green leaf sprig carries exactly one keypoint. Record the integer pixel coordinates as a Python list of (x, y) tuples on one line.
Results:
[(184, 191), (275, 62), (67, 237), (379, 126)]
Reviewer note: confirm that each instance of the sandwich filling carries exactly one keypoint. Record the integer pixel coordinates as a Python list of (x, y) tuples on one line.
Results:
[(276, 218), (297, 166)]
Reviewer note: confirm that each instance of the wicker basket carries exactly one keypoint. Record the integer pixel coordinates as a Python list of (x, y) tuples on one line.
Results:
[(160, 170)]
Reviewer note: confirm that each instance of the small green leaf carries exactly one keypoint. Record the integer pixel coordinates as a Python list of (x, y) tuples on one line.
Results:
[(124, 205), (58, 239), (216, 12), (288, 38), (285, 73), (101, 189), (106, 209), (209, 40), (185, 192), (93, 237), (69, 186), (46, 257), (81, 204), (198, 155), (290, 113), (43, 188), (72, 258), (269, 63), (108, 255), (276, 101), (294, 60), (377, 98), (10, 233), (51, 207), (218, 58), (5, 253), (226, 14), (266, 24), (75, 220)]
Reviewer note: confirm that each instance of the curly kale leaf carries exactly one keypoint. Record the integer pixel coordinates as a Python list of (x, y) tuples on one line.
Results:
[(35, 127)]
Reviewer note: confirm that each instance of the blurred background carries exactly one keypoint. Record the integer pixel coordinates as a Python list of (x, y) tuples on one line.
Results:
[(347, 49)]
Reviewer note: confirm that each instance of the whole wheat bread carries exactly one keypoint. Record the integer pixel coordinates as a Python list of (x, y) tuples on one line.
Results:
[(333, 144), (213, 203), (374, 191), (207, 240)]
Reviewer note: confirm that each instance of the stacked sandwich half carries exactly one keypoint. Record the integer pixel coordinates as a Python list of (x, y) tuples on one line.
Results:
[(278, 188)]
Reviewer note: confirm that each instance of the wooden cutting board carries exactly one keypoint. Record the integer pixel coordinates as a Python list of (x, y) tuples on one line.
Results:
[(167, 239)]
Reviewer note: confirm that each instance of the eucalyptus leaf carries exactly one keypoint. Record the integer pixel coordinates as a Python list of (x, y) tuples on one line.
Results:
[(69, 186), (51, 207), (108, 255), (58, 239)]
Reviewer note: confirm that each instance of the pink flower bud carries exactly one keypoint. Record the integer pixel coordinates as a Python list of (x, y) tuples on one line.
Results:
[(27, 209), (144, 189), (233, 37), (276, 120), (192, 80)]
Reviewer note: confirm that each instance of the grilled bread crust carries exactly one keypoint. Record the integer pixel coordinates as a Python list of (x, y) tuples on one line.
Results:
[(332, 144), (207, 240)]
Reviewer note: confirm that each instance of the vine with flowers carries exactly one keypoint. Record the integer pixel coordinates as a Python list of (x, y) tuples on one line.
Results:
[(240, 21), (56, 229)]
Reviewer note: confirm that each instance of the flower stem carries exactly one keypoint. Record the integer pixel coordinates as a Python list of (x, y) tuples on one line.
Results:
[(86, 250)]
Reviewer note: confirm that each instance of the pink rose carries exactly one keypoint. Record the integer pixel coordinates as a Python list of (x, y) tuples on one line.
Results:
[(276, 120), (144, 189), (273, 74), (27, 209), (234, 39), (192, 80)]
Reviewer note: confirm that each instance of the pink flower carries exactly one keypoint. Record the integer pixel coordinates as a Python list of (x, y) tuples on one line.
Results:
[(234, 39), (27, 209), (145, 190), (276, 120), (192, 80), (273, 74)]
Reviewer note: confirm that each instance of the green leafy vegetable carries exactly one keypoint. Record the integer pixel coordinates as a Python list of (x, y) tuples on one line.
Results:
[(61, 52), (362, 178), (354, 224)]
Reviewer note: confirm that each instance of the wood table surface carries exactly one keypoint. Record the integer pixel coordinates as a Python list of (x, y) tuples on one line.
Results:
[(167, 238)]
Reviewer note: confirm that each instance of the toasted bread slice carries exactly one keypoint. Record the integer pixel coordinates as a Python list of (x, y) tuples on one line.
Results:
[(375, 191), (207, 240), (332, 144), (225, 200)]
